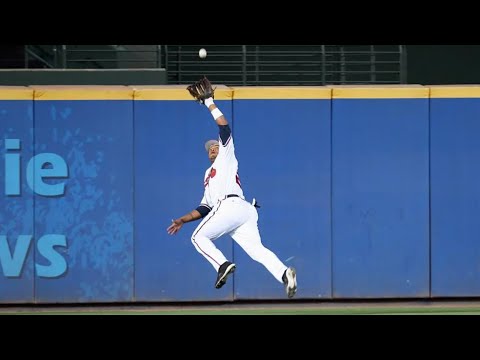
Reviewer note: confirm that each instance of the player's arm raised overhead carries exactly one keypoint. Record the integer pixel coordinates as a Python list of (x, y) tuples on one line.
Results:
[(203, 93), (224, 128), (220, 119)]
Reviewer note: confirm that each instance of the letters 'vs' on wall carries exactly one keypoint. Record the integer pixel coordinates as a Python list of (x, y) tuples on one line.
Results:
[(43, 174)]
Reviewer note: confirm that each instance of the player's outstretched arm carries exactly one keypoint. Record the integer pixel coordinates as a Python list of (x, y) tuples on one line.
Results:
[(178, 223), (203, 92), (220, 119)]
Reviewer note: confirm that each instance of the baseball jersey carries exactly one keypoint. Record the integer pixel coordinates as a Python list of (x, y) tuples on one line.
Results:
[(222, 177)]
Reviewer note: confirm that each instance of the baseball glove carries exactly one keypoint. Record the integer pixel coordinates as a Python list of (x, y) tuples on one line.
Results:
[(201, 90)]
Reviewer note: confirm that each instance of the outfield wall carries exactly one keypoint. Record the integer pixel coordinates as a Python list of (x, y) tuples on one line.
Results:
[(369, 192)]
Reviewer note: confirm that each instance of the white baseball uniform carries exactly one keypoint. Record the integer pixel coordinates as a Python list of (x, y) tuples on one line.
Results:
[(227, 212)]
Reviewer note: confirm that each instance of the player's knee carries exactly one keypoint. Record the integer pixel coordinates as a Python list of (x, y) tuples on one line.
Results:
[(196, 239)]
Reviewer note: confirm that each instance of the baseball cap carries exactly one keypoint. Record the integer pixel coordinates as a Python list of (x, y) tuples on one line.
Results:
[(210, 143)]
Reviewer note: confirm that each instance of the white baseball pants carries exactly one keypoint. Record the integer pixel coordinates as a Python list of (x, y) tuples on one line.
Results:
[(238, 218)]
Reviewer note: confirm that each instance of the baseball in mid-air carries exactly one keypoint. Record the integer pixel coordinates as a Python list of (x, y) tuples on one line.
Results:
[(202, 53)]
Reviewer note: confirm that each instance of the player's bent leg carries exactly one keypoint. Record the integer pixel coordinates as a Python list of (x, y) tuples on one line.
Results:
[(209, 251), (222, 266), (207, 248), (248, 237), (214, 225)]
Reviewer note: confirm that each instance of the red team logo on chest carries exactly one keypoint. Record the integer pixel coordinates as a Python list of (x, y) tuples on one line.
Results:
[(212, 174)]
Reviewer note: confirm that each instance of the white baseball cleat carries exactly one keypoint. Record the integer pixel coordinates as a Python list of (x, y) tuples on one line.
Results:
[(290, 280)]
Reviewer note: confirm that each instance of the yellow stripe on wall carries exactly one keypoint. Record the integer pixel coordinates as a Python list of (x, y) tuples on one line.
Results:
[(282, 92), (176, 92), (381, 92), (16, 93), (62, 92), (455, 91), (222, 92)]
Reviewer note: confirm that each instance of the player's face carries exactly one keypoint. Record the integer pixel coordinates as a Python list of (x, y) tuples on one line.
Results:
[(213, 152)]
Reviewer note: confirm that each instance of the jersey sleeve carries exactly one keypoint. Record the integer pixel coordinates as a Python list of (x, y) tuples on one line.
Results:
[(227, 149), (203, 208)]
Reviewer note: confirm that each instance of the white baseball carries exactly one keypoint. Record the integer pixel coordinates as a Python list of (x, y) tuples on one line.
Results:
[(202, 53)]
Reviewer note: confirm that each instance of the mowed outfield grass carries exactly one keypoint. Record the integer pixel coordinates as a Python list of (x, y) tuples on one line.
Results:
[(290, 310)]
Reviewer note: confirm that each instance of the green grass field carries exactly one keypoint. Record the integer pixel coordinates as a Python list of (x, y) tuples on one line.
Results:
[(262, 310)]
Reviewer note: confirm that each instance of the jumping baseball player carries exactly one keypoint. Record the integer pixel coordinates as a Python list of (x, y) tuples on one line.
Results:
[(223, 208)]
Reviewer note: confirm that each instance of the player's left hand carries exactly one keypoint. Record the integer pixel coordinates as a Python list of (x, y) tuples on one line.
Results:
[(175, 226)]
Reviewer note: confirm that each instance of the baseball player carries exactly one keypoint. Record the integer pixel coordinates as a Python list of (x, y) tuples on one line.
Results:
[(223, 208)]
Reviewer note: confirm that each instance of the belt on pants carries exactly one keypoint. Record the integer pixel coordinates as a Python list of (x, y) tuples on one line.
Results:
[(254, 202)]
